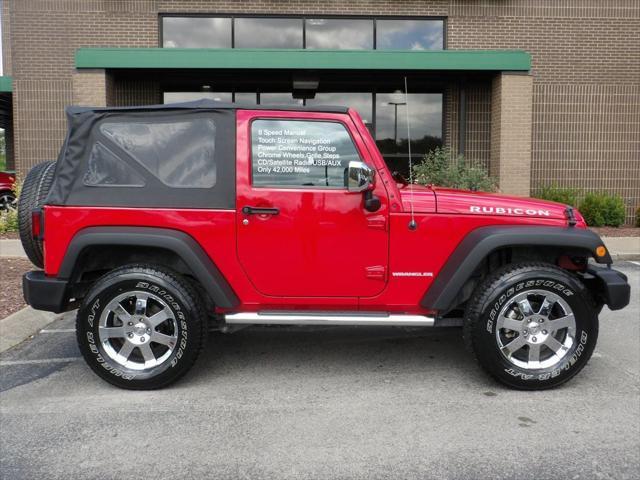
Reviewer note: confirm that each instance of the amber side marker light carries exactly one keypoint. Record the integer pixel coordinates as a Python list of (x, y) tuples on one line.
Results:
[(601, 251)]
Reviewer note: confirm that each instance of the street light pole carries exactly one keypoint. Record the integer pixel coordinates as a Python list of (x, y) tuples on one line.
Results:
[(395, 118)]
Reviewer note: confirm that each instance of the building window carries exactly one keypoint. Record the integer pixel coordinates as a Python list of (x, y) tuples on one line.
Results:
[(245, 98), (388, 125), (362, 102), (301, 32), (177, 97), (196, 32), (268, 33), (383, 111), (280, 98), (425, 115), (345, 34), (409, 34)]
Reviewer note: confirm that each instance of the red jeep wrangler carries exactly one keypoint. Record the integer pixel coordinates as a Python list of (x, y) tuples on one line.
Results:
[(157, 221)]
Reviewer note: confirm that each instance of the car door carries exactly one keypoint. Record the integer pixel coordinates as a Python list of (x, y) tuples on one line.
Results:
[(300, 233)]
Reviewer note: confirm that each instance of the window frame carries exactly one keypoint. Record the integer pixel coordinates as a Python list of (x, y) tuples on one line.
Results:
[(299, 187)]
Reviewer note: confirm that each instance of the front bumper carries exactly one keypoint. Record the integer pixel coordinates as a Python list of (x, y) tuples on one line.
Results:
[(611, 285), (45, 293)]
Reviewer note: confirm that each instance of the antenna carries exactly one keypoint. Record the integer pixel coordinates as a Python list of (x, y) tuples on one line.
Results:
[(412, 223)]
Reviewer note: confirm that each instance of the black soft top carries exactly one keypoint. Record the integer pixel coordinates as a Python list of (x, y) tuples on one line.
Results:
[(207, 104)]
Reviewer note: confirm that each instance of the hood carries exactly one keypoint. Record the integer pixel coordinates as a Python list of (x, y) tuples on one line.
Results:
[(481, 203)]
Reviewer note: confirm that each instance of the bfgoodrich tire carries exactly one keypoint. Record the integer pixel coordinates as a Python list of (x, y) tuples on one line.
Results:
[(531, 326), (141, 327), (35, 189)]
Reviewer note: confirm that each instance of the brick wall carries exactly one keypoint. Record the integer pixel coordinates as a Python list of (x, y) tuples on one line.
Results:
[(43, 40), (586, 71), (477, 141), (130, 91), (588, 135), (511, 132)]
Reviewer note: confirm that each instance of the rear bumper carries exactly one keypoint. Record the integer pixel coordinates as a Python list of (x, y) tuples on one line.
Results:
[(611, 285), (44, 293)]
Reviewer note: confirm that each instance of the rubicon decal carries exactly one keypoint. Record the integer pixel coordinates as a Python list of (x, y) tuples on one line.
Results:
[(510, 211)]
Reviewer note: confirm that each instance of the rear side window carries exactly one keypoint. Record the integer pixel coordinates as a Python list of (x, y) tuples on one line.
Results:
[(179, 153), (300, 153)]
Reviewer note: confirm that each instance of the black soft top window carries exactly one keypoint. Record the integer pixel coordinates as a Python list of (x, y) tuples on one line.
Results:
[(180, 153), (164, 156)]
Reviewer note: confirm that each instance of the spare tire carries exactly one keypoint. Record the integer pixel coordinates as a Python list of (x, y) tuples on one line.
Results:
[(35, 189)]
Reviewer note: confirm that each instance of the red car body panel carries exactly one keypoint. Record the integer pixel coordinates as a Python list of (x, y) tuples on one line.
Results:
[(6, 181), (322, 243), (323, 250)]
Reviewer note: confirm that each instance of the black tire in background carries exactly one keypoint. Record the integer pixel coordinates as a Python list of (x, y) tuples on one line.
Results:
[(35, 189)]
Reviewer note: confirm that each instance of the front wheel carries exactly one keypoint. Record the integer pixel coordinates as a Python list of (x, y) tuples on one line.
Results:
[(531, 326), (141, 327)]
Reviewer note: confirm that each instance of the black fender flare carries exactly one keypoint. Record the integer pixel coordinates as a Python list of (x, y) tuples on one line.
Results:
[(479, 243), (182, 244)]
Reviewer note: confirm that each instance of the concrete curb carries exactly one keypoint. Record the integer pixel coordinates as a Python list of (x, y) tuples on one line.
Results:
[(19, 326), (623, 248), (11, 248), (621, 257)]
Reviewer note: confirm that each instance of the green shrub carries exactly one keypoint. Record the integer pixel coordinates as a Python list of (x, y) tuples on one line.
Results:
[(638, 217), (554, 193), (439, 167), (602, 209), (8, 221)]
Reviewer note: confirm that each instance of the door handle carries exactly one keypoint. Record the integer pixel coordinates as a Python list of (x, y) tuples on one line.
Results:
[(260, 211)]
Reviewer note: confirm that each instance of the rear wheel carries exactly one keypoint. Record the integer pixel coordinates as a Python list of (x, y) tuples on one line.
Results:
[(34, 191), (532, 326), (141, 327)]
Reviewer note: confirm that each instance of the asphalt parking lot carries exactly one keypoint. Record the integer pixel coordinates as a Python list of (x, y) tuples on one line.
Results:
[(323, 403)]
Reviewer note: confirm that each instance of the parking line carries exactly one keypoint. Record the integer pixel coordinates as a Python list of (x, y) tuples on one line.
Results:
[(58, 330), (635, 263), (6, 363)]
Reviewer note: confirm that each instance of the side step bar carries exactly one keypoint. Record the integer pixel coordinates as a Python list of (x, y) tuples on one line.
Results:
[(328, 318)]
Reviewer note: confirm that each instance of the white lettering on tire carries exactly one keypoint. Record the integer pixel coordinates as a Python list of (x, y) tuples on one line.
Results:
[(179, 316), (499, 302)]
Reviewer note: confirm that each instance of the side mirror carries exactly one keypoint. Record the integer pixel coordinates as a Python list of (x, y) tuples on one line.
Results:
[(360, 177)]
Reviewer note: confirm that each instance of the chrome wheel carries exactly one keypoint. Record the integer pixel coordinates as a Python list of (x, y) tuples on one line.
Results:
[(8, 201), (535, 329), (138, 330)]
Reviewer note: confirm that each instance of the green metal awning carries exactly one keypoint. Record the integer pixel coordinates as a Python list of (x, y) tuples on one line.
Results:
[(205, 58), (6, 84)]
